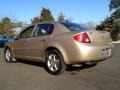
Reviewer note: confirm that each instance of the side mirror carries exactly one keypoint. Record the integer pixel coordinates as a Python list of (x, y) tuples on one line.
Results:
[(17, 37)]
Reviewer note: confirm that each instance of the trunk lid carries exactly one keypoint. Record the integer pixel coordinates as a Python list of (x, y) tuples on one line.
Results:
[(99, 37)]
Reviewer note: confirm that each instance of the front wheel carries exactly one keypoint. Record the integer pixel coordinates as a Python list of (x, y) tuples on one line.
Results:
[(8, 56), (54, 62)]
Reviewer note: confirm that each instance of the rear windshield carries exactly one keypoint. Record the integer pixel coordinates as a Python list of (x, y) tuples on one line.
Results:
[(74, 26)]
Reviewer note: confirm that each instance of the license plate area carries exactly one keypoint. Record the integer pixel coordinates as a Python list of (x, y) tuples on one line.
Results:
[(106, 52)]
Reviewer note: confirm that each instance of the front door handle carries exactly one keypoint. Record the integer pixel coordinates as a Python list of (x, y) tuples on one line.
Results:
[(25, 42), (43, 40)]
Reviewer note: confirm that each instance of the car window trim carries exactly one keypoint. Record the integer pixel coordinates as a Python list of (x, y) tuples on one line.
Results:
[(25, 30), (35, 34)]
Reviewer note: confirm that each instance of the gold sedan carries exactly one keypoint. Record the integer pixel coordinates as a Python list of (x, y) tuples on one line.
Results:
[(59, 44)]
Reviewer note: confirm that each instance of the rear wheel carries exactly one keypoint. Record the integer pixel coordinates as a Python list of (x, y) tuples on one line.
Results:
[(54, 62), (8, 56)]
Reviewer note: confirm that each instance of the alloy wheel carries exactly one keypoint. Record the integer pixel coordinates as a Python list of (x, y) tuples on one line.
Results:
[(8, 55), (53, 62)]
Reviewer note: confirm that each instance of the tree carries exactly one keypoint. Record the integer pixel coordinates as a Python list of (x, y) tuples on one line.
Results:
[(116, 15), (45, 15), (35, 20), (110, 24), (61, 17), (115, 5), (6, 26), (69, 19), (107, 23), (91, 25)]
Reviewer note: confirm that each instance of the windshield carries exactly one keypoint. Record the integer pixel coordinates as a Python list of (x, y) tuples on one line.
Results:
[(74, 26)]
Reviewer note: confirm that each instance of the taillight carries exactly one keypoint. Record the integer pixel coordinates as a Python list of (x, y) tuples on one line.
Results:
[(82, 38)]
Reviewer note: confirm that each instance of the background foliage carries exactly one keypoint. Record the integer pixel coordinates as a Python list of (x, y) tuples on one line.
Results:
[(112, 23), (45, 15), (6, 26)]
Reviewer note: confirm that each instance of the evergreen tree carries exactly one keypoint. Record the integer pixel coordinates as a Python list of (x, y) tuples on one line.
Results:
[(110, 23), (6, 26), (115, 5), (61, 17), (35, 20), (45, 15)]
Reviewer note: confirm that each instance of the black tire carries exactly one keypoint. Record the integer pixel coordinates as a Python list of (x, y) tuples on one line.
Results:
[(8, 56), (54, 62)]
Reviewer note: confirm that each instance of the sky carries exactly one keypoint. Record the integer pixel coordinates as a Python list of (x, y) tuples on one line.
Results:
[(81, 11)]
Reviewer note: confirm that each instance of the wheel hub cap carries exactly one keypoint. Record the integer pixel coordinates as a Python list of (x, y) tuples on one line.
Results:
[(8, 55), (53, 62)]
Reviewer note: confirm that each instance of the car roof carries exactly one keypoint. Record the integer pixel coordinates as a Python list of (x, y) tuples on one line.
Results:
[(45, 22), (53, 22), (59, 27)]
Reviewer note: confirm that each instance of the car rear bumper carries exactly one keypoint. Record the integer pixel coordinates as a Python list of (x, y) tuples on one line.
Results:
[(90, 53)]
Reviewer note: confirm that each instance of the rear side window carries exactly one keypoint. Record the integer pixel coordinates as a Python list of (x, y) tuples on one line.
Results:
[(74, 26), (44, 29)]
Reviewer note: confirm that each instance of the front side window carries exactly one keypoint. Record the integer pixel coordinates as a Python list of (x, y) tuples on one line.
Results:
[(44, 29), (27, 32)]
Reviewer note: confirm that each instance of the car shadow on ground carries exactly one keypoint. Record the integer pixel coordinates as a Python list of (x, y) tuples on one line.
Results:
[(76, 69), (69, 68), (1, 46), (80, 67), (32, 63)]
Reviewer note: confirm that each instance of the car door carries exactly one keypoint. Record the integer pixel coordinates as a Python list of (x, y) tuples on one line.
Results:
[(37, 43), (20, 44)]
